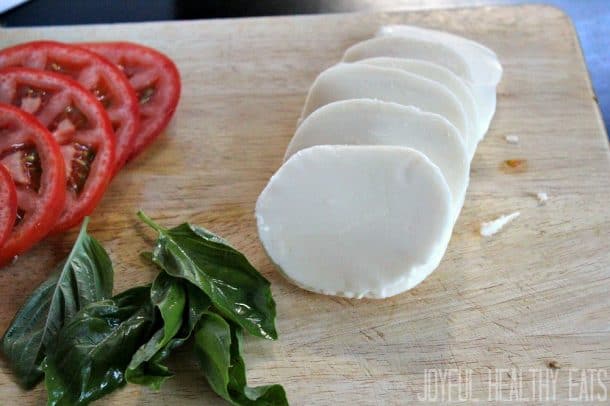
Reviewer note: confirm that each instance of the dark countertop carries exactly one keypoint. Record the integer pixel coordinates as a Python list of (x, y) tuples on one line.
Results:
[(591, 18)]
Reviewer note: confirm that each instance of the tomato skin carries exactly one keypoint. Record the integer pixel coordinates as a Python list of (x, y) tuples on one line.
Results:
[(48, 203), (8, 204), (145, 68), (95, 73), (61, 93)]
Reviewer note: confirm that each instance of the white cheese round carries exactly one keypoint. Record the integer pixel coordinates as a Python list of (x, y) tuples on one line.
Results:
[(356, 221), (373, 122), (412, 48), (465, 64), (445, 77), (482, 61), (485, 97), (356, 81)]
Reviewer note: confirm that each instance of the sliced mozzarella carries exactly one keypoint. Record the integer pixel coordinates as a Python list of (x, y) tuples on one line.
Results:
[(373, 122), (485, 97), (435, 51), (483, 62), (356, 81), (442, 75), (411, 48), (356, 221)]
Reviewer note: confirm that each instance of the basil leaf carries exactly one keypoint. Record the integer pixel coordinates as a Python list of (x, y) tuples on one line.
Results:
[(169, 296), (94, 348), (84, 277), (218, 349), (148, 369), (233, 285), (198, 304)]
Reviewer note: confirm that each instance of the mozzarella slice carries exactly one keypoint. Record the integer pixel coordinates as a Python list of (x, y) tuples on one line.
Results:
[(356, 221), (485, 97), (411, 48), (483, 62), (439, 74), (373, 122), (433, 50), (355, 81)]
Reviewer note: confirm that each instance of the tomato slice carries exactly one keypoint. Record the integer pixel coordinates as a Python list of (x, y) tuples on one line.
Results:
[(156, 81), (8, 204), (80, 126), (98, 75), (34, 160)]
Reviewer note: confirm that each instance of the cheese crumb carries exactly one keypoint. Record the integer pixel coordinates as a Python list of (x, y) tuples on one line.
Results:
[(512, 139), (492, 227), (542, 198)]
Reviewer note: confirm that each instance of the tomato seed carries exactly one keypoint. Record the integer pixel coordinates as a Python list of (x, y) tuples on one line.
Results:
[(81, 165), (63, 69), (76, 117), (20, 216), (32, 166), (24, 163), (127, 70), (73, 115), (146, 94), (102, 95), (54, 67), (25, 94)]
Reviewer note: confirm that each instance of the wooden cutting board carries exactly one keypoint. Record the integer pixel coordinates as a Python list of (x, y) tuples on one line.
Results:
[(535, 294)]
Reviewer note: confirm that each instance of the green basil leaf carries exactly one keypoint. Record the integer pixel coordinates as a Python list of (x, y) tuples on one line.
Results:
[(169, 296), (233, 285), (218, 349), (198, 304), (152, 372), (84, 277), (94, 348)]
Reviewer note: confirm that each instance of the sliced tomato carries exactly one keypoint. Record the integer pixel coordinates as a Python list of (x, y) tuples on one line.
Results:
[(8, 204), (100, 76), (34, 160), (156, 80), (80, 126)]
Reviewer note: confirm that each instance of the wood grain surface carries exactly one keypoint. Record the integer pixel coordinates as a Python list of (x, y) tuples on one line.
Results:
[(535, 294)]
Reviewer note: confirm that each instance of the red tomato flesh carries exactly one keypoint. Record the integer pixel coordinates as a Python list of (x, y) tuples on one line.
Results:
[(8, 204), (100, 76), (155, 79), (80, 126), (36, 166)]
